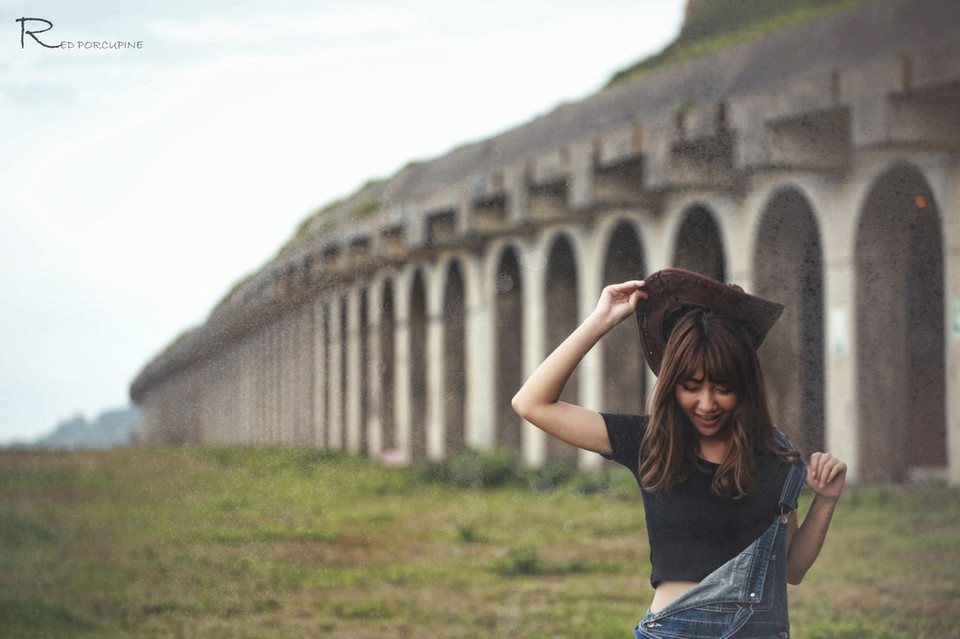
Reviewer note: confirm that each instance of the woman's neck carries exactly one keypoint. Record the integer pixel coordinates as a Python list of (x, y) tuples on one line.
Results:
[(712, 449)]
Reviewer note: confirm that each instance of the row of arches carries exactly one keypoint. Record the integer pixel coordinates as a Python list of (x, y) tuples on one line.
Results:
[(898, 322), (423, 359)]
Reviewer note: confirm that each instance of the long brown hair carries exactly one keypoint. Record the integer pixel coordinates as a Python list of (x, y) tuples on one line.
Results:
[(711, 341)]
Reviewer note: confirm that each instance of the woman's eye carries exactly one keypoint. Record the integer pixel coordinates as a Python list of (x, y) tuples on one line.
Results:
[(689, 389)]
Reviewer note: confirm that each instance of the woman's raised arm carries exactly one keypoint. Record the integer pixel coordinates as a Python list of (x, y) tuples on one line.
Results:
[(538, 400)]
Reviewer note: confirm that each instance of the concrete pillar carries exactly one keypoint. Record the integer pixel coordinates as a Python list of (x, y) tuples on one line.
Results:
[(290, 373), (590, 271), (247, 367), (266, 389), (305, 371), (299, 371), (263, 383), (839, 206), (273, 383), (216, 411), (269, 385), (949, 200), (286, 369), (256, 386), (334, 373), (239, 426), (663, 232), (479, 276), (433, 287), (374, 425), (732, 227), (401, 358), (532, 263)]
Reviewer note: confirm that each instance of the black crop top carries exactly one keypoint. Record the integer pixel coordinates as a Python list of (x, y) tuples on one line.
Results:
[(692, 530)]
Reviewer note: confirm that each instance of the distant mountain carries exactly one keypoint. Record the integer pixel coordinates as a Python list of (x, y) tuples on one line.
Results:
[(111, 429)]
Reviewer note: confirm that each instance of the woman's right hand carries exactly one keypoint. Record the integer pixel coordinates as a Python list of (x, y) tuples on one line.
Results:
[(619, 301), (538, 400)]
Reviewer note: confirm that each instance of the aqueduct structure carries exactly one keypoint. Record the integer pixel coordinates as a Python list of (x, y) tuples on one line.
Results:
[(818, 166)]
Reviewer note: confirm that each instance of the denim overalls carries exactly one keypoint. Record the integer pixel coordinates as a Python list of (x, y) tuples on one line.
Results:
[(746, 597)]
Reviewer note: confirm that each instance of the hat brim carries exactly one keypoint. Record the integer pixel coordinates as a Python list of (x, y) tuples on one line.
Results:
[(674, 291)]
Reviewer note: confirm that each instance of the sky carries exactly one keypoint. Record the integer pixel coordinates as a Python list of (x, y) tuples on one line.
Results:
[(139, 183)]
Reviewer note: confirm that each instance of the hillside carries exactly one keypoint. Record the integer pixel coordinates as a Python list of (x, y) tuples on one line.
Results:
[(110, 429)]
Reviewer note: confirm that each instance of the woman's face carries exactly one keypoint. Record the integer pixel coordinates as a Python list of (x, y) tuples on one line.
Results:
[(707, 405)]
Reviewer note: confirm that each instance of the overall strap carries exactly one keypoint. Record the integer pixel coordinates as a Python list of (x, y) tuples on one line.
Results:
[(795, 480)]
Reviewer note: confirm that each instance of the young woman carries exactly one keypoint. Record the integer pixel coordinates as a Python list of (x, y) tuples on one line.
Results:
[(719, 482)]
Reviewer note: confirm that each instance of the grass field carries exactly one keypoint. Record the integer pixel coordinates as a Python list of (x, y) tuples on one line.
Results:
[(239, 542)]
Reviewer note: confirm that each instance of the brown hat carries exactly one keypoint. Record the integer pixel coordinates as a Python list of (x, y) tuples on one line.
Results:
[(675, 291)]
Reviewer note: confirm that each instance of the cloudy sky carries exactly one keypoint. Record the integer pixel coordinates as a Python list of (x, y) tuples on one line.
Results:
[(138, 184)]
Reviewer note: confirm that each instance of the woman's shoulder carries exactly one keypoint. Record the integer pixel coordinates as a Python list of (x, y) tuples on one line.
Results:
[(627, 420), (626, 426), (785, 450), (775, 463), (625, 431)]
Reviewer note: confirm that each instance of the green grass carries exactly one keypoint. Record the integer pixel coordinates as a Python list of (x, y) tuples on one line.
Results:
[(261, 542)]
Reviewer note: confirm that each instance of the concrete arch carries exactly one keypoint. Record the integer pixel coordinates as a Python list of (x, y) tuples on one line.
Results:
[(900, 339), (386, 366), (561, 292), (454, 378), (788, 267), (624, 384), (757, 208), (508, 290), (370, 424), (698, 244), (362, 369), (417, 365), (326, 406)]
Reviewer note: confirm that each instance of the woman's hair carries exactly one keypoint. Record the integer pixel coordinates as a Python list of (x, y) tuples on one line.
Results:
[(711, 341)]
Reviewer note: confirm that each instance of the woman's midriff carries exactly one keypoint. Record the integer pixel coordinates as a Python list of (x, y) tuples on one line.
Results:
[(667, 591)]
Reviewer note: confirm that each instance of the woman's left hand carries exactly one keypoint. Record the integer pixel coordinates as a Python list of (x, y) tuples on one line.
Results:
[(825, 475)]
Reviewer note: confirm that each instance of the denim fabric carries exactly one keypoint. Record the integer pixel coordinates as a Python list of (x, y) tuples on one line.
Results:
[(745, 598)]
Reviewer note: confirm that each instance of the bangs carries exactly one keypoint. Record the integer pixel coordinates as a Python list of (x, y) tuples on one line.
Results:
[(709, 357), (718, 349)]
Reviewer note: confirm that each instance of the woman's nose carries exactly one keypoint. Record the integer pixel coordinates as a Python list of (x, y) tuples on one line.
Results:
[(706, 400)]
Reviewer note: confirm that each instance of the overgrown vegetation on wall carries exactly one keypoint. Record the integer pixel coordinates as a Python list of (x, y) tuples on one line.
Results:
[(713, 25)]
